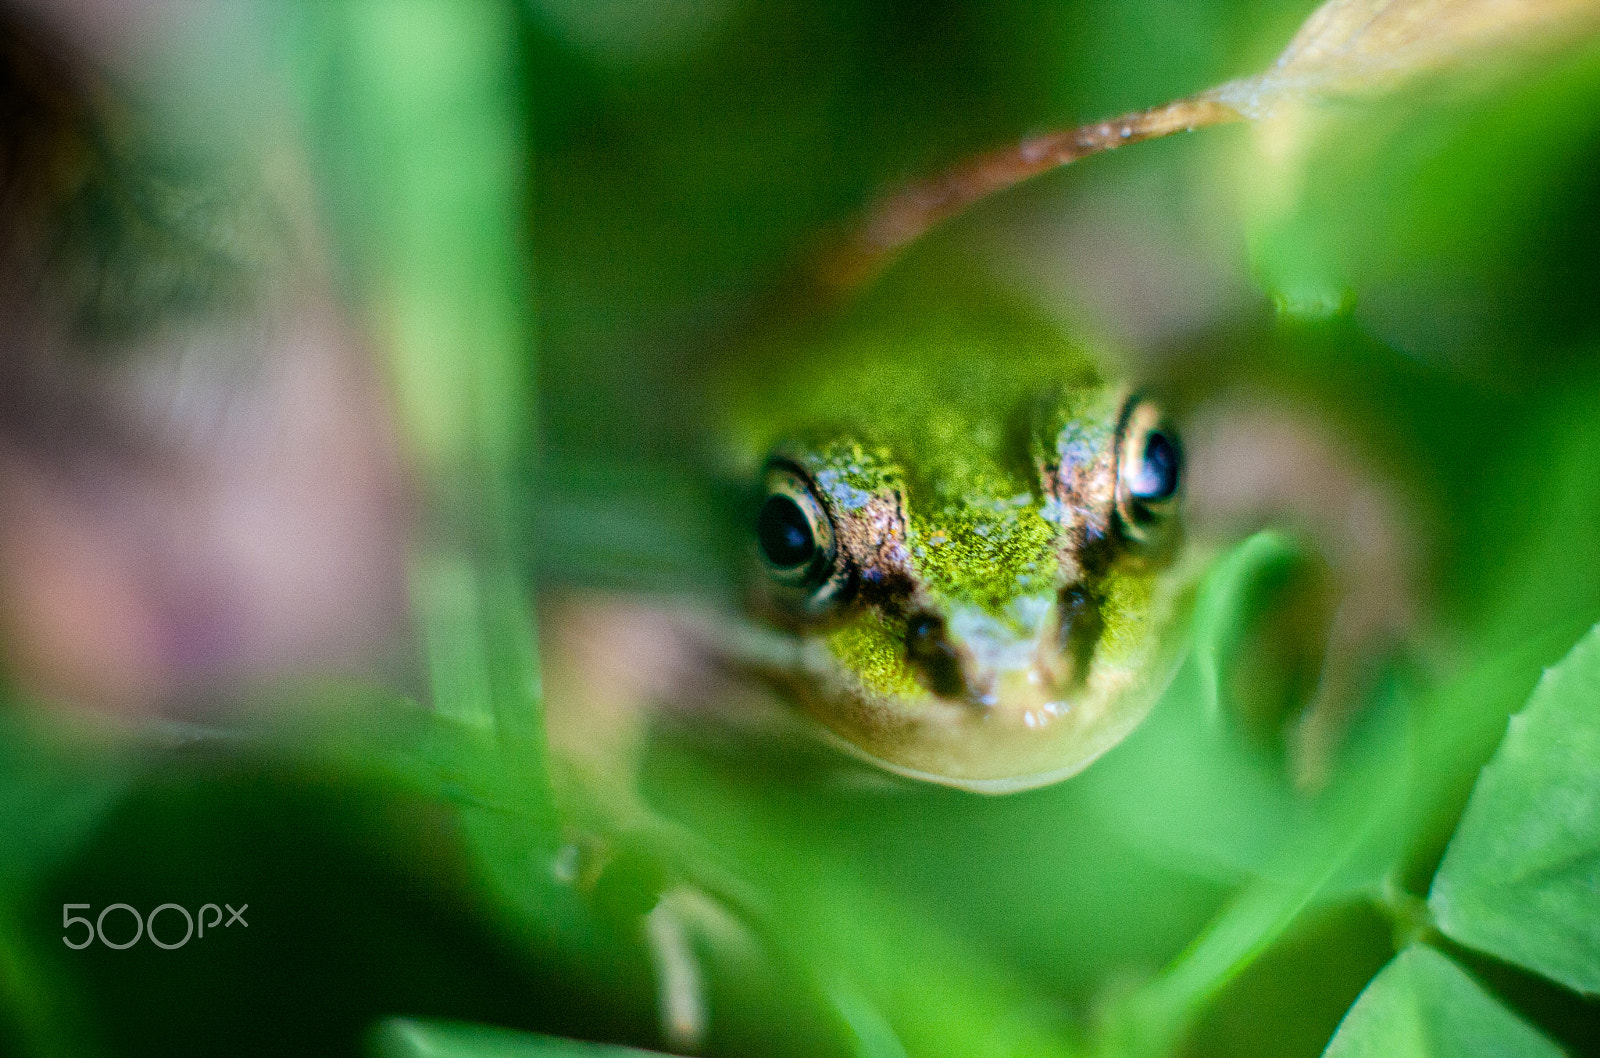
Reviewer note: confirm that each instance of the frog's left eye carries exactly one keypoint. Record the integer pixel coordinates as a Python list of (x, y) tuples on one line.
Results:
[(1149, 471), (795, 535)]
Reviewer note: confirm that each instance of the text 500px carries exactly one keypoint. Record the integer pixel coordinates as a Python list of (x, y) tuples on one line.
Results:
[(145, 925)]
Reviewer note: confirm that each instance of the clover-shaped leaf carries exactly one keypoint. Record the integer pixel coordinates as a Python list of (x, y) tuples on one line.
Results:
[(1521, 878), (1422, 1005)]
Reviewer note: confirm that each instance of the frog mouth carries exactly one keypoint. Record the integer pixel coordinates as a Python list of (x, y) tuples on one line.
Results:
[(1028, 664), (987, 703)]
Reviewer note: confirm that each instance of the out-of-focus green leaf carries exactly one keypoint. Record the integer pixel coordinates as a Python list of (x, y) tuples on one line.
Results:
[(1521, 879), (1361, 204), (55, 791), (1535, 544), (616, 524), (1422, 1005), (52, 793), (895, 975), (1194, 785), (413, 106), (403, 1038)]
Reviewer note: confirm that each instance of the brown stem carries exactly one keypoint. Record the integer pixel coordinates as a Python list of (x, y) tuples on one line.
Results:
[(902, 217)]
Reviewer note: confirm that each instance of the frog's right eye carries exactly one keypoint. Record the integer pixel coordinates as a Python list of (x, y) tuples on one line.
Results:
[(794, 532), (1149, 473)]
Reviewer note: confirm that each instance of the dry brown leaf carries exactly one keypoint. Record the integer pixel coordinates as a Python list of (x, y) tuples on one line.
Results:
[(1365, 46)]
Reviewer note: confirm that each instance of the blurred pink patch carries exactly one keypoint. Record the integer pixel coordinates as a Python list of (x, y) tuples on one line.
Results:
[(215, 499)]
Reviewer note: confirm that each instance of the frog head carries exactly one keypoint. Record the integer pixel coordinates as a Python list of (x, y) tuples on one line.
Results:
[(963, 542)]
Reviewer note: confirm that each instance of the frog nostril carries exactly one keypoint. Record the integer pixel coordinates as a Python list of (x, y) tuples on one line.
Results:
[(930, 653), (1081, 627)]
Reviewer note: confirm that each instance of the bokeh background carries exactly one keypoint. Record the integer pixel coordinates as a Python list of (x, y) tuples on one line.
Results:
[(349, 342)]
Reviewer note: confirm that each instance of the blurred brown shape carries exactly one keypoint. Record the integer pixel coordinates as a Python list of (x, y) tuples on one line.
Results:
[(199, 481)]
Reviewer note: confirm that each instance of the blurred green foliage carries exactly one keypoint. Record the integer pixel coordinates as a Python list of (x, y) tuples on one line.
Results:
[(620, 187)]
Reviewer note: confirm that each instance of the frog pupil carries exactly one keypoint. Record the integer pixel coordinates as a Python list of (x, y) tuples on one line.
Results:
[(785, 533), (1157, 477)]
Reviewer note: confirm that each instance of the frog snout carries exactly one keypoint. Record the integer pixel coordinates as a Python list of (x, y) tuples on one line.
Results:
[(973, 657)]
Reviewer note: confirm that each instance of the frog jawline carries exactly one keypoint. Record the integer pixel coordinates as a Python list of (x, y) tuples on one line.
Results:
[(990, 787), (780, 656)]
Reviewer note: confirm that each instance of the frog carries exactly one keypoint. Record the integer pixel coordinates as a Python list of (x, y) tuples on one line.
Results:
[(966, 543), (970, 535), (964, 555)]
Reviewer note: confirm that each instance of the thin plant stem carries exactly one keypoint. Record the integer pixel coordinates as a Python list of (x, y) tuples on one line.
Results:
[(904, 216)]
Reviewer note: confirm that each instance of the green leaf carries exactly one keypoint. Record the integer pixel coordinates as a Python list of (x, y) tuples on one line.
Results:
[(53, 792), (1206, 788), (1357, 205), (403, 1038), (1423, 1005), (1521, 878)]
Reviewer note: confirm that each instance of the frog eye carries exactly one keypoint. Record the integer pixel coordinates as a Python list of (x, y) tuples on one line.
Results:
[(1149, 470), (794, 532)]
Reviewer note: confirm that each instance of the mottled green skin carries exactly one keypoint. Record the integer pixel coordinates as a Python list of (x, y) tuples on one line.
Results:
[(946, 407)]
